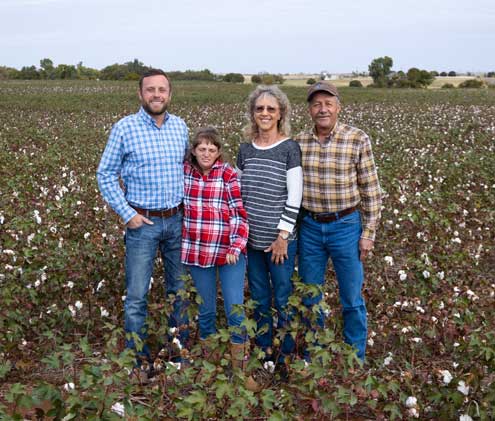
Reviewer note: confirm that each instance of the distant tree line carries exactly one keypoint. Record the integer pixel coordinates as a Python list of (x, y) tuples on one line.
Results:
[(380, 69), (267, 79), (132, 70)]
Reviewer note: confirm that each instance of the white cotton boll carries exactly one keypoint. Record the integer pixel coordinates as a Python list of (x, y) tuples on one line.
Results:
[(413, 412), (100, 285), (177, 342), (417, 340), (389, 260), (402, 275), (371, 342), (441, 275), (72, 310), (172, 330), (69, 386), (104, 312), (426, 274), (118, 408), (465, 417), (411, 402), (269, 366), (446, 376), (86, 235), (37, 217), (78, 305), (388, 359), (463, 388), (70, 285), (176, 366)]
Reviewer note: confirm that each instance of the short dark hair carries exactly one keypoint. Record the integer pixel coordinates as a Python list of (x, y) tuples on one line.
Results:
[(154, 72)]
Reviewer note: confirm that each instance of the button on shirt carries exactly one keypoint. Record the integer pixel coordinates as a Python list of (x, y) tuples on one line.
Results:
[(149, 160), (340, 173)]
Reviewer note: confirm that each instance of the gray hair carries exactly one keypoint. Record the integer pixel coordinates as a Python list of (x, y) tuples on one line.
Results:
[(251, 129)]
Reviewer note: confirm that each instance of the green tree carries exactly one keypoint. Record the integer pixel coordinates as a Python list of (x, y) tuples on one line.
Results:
[(47, 69), (452, 73), (419, 78), (114, 72), (380, 69), (136, 66), (471, 83), (8, 73), (66, 71), (310, 81), (28, 72), (233, 78), (256, 79), (278, 78), (267, 79), (355, 84), (86, 73)]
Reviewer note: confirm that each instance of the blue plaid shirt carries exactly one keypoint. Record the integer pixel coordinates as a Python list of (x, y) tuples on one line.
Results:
[(149, 160)]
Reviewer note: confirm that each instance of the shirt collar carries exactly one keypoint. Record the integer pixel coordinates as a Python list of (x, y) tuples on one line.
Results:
[(148, 119), (218, 164), (330, 136)]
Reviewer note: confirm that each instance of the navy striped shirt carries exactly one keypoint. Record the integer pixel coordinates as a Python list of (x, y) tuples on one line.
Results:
[(265, 178)]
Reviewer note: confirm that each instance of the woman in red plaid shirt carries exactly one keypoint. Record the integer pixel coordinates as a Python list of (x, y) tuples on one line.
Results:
[(214, 237)]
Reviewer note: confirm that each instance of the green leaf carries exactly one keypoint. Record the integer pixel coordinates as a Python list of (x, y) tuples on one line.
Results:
[(222, 388)]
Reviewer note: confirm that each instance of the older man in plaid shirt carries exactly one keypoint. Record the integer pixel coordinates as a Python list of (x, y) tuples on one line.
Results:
[(341, 208), (146, 152)]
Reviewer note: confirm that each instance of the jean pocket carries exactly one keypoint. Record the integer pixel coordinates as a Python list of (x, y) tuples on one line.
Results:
[(353, 218)]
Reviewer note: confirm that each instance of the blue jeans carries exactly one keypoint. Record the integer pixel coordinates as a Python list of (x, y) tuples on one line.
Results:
[(141, 246), (232, 282), (339, 241), (270, 282)]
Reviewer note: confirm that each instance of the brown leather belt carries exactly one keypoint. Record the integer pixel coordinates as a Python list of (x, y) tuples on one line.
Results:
[(331, 216), (165, 213)]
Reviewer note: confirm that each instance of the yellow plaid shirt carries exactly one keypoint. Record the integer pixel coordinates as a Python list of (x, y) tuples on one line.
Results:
[(341, 173)]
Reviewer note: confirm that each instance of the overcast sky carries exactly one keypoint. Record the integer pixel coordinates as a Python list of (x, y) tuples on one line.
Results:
[(280, 36)]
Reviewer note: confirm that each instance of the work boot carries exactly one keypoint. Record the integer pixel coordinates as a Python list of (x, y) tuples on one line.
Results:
[(239, 359)]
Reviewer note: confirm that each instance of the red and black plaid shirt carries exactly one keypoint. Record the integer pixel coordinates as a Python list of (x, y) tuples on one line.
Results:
[(215, 221)]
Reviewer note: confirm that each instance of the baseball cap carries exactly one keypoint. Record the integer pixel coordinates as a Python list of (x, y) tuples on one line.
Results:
[(323, 86)]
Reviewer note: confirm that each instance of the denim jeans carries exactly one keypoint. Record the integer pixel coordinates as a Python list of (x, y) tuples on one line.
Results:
[(270, 282), (232, 283), (141, 247), (339, 241)]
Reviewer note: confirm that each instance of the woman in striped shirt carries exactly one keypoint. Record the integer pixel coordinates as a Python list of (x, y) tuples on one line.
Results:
[(271, 185)]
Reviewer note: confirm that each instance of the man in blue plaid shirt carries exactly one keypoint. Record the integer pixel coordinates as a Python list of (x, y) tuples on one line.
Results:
[(146, 152)]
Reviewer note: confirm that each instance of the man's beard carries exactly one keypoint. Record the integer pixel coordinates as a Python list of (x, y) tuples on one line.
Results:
[(152, 112)]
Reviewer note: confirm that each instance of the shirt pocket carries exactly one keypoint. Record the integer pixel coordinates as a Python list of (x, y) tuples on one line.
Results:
[(340, 171)]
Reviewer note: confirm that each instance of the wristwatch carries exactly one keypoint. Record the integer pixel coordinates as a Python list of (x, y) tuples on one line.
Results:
[(284, 235)]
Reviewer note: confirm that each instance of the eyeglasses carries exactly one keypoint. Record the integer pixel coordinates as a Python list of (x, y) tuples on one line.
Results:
[(260, 108)]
